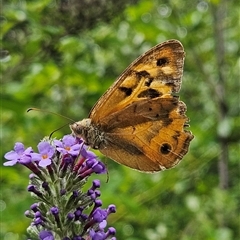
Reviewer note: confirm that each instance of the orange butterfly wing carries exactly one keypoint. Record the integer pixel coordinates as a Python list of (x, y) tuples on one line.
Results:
[(138, 122)]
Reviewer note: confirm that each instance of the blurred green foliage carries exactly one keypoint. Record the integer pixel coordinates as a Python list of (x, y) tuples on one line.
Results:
[(62, 55)]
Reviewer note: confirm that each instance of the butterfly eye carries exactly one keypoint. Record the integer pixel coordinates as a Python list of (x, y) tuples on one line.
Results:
[(165, 148), (162, 61)]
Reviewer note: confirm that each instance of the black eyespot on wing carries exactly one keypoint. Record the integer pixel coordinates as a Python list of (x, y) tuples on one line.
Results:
[(127, 91), (165, 148), (162, 62), (149, 93)]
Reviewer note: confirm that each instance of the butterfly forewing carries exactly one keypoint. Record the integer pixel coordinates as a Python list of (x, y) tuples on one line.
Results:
[(156, 73)]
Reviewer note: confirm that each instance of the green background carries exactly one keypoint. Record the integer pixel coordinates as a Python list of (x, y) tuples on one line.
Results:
[(62, 55)]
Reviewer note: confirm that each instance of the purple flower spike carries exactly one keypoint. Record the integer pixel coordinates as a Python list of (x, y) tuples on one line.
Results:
[(65, 209), (43, 158), (18, 154)]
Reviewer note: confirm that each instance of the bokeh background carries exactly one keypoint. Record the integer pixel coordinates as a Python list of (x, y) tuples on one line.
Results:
[(62, 55)]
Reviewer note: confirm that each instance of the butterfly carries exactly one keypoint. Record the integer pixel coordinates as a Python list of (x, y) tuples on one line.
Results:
[(139, 121)]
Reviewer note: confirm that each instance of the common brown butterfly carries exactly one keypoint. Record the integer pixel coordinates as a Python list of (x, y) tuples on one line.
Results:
[(139, 122)]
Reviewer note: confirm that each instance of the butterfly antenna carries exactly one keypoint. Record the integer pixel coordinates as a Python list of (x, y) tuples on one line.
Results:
[(57, 130), (57, 114), (46, 111)]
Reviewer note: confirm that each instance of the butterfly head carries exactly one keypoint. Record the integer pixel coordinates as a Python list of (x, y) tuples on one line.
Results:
[(80, 128), (90, 133)]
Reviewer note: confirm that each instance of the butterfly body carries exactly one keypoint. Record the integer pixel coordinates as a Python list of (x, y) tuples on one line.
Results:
[(139, 122)]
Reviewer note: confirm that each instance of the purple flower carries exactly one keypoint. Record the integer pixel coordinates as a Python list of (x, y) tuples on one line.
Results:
[(68, 145), (46, 151), (111, 208), (38, 221), (18, 154), (46, 235), (88, 154), (99, 215), (70, 216), (99, 168), (54, 210), (97, 235), (92, 165), (28, 214), (95, 184), (34, 207), (111, 231), (32, 188)]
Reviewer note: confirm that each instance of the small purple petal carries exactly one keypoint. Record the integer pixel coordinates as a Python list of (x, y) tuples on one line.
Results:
[(10, 163), (45, 148), (12, 155), (69, 140), (58, 143), (36, 156), (103, 224), (45, 162), (46, 235), (19, 148)]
